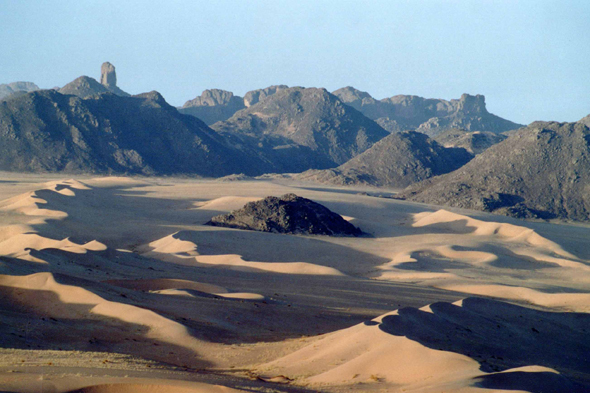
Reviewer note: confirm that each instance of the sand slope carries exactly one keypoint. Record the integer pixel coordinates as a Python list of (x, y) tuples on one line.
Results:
[(126, 266)]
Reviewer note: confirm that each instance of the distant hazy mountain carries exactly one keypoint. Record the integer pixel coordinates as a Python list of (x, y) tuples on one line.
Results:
[(213, 106), (397, 160), (541, 171), (16, 87), (474, 142), (218, 105), (49, 131), (298, 129), (430, 116), (86, 86)]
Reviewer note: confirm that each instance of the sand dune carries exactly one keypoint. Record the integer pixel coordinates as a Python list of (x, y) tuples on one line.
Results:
[(166, 286), (158, 284), (43, 290), (414, 350), (175, 250), (226, 203)]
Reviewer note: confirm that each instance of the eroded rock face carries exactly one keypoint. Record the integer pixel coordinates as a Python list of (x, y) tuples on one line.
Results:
[(287, 214), (108, 76), (213, 105), (255, 96)]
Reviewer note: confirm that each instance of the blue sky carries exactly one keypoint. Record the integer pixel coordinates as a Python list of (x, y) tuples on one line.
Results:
[(531, 59)]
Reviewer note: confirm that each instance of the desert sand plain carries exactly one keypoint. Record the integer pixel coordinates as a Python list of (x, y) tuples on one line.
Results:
[(115, 285)]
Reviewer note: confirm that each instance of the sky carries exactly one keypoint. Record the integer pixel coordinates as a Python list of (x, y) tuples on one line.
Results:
[(531, 59)]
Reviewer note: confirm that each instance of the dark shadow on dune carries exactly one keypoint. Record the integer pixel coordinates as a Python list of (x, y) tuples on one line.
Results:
[(427, 261), (499, 335), (304, 249), (510, 260), (533, 382), (54, 328)]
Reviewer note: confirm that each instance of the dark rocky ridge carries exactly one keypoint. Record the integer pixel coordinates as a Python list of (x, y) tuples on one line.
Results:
[(474, 142), (287, 214), (430, 116), (397, 160), (48, 131), (301, 128), (541, 171)]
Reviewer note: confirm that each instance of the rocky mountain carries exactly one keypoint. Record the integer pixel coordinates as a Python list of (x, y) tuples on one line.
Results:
[(255, 96), (430, 116), (218, 105), (397, 160), (83, 87), (50, 131), (287, 214), (86, 86), (541, 171), (16, 87), (213, 106), (474, 142), (301, 128)]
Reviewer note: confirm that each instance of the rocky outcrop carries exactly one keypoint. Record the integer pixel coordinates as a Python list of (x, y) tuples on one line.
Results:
[(397, 161), (301, 128), (213, 105), (475, 142), (219, 105), (430, 116), (255, 96), (17, 87), (46, 131), (542, 171), (85, 86), (108, 76), (287, 214)]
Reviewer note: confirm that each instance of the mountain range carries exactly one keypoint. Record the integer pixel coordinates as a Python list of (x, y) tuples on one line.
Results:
[(345, 138), (430, 116)]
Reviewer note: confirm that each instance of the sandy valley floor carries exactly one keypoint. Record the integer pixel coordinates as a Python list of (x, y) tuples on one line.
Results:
[(115, 285)]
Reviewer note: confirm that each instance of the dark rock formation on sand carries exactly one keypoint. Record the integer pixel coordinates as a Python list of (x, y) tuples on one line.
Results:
[(541, 171), (474, 142), (297, 129), (397, 161), (287, 214), (46, 131), (430, 116)]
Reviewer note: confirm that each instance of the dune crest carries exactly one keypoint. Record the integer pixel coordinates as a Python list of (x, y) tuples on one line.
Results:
[(172, 249), (44, 285)]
